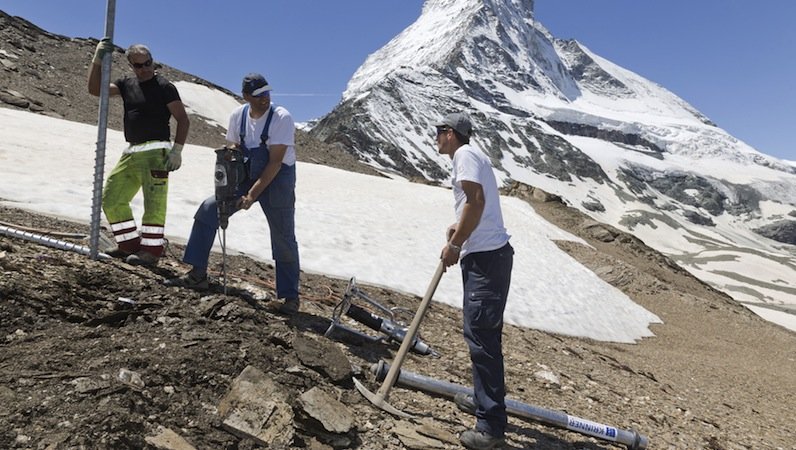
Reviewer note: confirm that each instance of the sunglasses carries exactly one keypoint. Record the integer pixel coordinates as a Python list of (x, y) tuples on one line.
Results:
[(147, 63), (441, 130)]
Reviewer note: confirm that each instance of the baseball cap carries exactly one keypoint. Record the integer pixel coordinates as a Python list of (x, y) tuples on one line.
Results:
[(459, 122), (255, 85)]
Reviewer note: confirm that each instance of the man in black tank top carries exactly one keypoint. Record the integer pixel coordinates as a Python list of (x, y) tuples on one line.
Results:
[(150, 101)]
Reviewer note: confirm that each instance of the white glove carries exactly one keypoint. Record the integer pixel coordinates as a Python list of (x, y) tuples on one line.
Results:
[(104, 46), (174, 158)]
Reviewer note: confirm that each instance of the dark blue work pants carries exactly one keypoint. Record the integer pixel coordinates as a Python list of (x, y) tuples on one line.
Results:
[(278, 203), (486, 277)]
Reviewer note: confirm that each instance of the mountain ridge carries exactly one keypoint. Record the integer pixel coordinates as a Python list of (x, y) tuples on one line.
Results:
[(45, 73)]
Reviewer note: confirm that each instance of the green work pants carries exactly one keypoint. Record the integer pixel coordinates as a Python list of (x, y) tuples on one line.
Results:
[(135, 171)]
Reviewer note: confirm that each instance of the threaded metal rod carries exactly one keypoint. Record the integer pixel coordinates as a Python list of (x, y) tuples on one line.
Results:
[(632, 439), (50, 242)]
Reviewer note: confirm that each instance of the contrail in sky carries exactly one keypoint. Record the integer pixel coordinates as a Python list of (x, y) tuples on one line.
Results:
[(304, 95)]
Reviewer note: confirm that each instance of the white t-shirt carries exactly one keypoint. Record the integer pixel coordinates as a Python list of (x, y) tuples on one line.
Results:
[(281, 131), (471, 164)]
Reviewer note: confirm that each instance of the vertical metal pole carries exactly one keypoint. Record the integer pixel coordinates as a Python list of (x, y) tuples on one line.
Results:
[(102, 127), (224, 257)]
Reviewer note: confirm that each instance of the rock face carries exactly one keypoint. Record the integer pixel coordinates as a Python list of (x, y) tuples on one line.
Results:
[(46, 73), (782, 231), (550, 113)]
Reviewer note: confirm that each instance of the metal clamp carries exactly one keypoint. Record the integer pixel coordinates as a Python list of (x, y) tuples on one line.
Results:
[(388, 325)]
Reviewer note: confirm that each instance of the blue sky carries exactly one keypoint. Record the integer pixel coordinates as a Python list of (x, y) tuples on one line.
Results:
[(733, 60)]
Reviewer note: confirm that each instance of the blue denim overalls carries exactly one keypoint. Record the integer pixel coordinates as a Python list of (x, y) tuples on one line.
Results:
[(277, 202)]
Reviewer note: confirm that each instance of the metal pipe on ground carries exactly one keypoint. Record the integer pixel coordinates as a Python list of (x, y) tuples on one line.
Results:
[(50, 242), (632, 439)]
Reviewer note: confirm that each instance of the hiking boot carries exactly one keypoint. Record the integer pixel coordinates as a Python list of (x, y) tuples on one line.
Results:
[(465, 402), (143, 258), (478, 440), (190, 280), (289, 306)]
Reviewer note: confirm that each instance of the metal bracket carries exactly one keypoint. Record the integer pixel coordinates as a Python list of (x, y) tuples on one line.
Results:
[(388, 325)]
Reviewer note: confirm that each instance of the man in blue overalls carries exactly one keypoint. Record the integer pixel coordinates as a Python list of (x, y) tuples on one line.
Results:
[(265, 135)]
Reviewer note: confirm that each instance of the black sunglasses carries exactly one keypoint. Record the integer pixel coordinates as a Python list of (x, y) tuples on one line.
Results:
[(146, 63), (441, 130)]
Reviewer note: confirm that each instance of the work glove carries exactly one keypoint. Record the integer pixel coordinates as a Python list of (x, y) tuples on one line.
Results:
[(174, 158), (104, 46)]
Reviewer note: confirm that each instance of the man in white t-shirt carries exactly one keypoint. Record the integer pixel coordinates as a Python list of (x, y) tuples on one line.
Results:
[(479, 241), (265, 134)]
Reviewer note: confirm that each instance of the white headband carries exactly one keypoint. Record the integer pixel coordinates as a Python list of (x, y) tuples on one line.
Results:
[(261, 90)]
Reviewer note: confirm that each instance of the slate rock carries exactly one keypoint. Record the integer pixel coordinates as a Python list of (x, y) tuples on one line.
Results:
[(167, 439), (255, 408), (333, 415), (411, 438), (14, 100), (324, 357)]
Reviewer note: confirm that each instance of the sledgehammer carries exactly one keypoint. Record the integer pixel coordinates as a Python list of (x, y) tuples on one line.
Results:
[(380, 397)]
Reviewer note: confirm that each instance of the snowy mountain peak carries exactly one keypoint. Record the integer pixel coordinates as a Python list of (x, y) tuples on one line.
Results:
[(437, 36), (553, 114), (491, 56)]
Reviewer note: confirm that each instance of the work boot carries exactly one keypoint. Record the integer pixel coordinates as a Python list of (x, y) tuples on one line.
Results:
[(190, 280), (116, 252), (478, 440), (465, 402), (289, 306), (143, 258)]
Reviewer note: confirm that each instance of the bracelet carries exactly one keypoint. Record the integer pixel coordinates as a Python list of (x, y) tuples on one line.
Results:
[(456, 248)]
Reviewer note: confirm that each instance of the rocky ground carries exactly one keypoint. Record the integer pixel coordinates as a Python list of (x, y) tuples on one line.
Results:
[(99, 354), (715, 375)]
